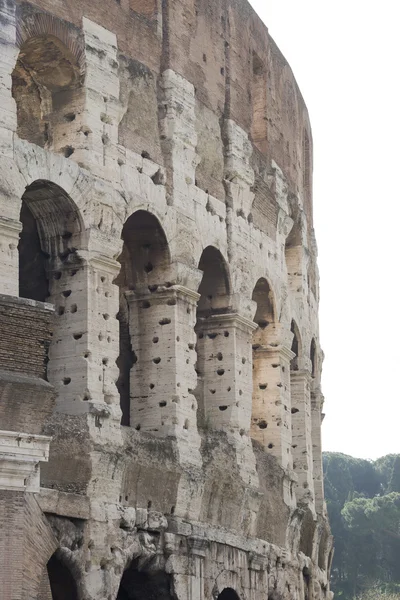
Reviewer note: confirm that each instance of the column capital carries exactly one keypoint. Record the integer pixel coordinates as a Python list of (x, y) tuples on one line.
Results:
[(283, 351), (105, 263), (228, 320), (20, 455), (10, 227), (162, 292), (301, 374)]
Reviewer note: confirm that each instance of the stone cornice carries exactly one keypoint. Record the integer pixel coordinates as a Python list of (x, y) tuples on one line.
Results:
[(20, 455)]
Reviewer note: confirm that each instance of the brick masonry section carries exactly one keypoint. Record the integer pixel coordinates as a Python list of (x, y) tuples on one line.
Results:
[(26, 330)]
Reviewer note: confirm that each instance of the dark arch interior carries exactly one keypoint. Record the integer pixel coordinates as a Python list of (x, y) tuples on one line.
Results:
[(145, 255), (294, 365), (44, 81), (313, 358), (214, 289), (50, 221), (145, 261), (145, 585), (33, 281), (228, 594), (62, 583), (265, 313), (307, 534)]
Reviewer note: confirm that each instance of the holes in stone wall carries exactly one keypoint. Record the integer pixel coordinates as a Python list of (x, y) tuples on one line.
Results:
[(67, 380), (214, 300), (165, 321), (144, 261)]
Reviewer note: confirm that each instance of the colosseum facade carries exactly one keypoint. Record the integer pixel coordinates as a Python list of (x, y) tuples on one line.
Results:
[(160, 361)]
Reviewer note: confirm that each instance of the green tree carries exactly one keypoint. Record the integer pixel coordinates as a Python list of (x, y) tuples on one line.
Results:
[(394, 482), (365, 520)]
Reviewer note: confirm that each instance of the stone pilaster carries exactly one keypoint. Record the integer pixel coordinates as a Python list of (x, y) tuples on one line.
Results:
[(224, 369), (224, 365), (317, 401), (85, 345), (8, 56), (179, 136), (302, 438), (271, 419), (163, 377), (9, 239), (96, 123)]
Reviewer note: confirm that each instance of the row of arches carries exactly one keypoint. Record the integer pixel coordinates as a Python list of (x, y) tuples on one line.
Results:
[(163, 330), (59, 583)]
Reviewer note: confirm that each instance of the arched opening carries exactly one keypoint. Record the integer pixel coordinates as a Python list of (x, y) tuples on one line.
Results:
[(145, 585), (294, 363), (214, 288), (213, 366), (228, 594), (60, 581), (46, 86), (48, 258), (143, 320), (307, 534), (322, 550), (313, 358), (306, 583), (269, 374), (294, 259)]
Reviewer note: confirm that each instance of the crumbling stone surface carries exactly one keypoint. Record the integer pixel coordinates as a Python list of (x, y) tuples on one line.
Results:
[(158, 308)]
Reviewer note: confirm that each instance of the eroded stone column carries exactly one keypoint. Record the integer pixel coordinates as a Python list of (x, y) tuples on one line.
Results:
[(85, 345), (302, 440), (224, 368), (316, 421), (271, 418), (163, 376), (179, 135), (94, 143)]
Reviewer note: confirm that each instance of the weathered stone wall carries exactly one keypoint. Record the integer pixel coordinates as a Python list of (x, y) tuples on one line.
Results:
[(156, 189)]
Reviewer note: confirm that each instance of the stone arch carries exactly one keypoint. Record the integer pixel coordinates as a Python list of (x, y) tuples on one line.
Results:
[(296, 346), (214, 303), (58, 581), (228, 594), (47, 82), (142, 584), (267, 373), (323, 549), (145, 271), (48, 256), (307, 533), (314, 358), (215, 286), (294, 257)]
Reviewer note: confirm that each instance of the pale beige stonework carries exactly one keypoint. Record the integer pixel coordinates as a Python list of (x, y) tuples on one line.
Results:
[(214, 480)]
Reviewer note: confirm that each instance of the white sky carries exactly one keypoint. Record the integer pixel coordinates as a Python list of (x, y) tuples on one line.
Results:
[(346, 58)]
